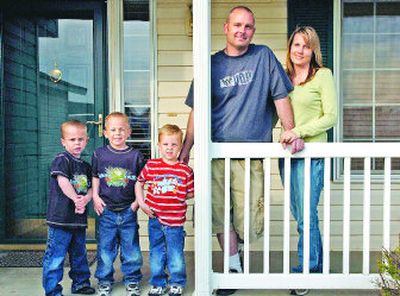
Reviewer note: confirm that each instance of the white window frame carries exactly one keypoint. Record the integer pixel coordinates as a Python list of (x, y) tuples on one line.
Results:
[(115, 34), (338, 130)]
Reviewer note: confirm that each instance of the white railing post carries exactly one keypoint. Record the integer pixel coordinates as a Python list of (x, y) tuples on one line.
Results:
[(306, 215), (267, 217), (386, 204), (366, 214), (246, 255), (286, 217), (227, 215), (327, 214), (346, 216), (202, 164)]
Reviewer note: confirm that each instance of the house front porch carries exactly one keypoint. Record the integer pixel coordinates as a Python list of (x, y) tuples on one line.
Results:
[(27, 281)]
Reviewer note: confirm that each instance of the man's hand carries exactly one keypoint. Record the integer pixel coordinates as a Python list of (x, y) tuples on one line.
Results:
[(98, 205), (184, 156), (290, 138)]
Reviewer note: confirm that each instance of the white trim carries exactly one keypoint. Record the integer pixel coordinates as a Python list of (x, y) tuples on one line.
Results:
[(338, 130), (115, 19), (153, 77), (202, 167)]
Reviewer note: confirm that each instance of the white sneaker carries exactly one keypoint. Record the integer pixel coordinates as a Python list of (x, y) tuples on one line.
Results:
[(175, 291), (104, 290), (133, 289), (156, 291)]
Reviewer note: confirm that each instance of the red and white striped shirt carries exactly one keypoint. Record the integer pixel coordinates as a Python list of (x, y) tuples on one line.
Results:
[(167, 190)]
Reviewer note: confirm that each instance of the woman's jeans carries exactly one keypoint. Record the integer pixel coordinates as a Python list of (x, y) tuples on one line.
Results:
[(59, 243), (118, 229), (166, 252), (297, 208)]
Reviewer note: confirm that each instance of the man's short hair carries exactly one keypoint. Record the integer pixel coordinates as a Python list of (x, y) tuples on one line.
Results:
[(170, 129), (240, 7)]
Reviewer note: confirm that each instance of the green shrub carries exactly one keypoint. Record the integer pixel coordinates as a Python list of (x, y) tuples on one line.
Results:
[(389, 271)]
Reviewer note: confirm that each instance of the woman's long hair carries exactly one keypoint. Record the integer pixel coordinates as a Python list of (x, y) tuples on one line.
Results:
[(312, 40)]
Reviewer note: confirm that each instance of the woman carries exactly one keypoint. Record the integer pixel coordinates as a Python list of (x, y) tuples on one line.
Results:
[(315, 111)]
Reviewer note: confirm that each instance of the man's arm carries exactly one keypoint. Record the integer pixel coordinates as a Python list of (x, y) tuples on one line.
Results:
[(285, 113), (189, 140)]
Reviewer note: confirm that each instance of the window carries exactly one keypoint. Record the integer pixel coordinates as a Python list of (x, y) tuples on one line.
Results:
[(370, 72), (137, 73)]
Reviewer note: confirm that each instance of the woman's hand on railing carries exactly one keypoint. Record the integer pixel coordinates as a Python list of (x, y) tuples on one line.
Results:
[(290, 138)]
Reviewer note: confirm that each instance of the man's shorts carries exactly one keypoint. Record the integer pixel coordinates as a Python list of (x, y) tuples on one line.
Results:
[(237, 196)]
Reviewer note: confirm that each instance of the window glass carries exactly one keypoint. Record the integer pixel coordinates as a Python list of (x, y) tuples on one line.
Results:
[(370, 73), (137, 55)]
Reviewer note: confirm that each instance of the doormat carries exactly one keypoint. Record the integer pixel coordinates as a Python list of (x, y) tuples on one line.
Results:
[(33, 258)]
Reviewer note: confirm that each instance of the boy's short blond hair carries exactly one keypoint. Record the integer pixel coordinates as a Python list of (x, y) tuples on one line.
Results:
[(116, 115), (170, 129), (74, 123)]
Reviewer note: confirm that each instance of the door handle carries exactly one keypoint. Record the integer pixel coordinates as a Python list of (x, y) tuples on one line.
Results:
[(99, 124)]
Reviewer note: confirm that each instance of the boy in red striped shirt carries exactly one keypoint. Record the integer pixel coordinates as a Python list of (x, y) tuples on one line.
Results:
[(170, 184)]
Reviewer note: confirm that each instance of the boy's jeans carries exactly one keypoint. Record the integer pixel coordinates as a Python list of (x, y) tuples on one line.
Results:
[(118, 229), (166, 251), (297, 208), (59, 242)]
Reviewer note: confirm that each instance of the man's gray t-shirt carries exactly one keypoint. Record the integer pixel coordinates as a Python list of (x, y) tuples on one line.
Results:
[(242, 92)]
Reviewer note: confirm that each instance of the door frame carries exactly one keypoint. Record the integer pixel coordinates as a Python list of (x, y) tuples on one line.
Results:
[(97, 10)]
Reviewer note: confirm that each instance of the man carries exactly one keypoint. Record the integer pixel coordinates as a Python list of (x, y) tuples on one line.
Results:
[(247, 84)]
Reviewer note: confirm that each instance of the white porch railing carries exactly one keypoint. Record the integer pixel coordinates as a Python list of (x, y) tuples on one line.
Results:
[(285, 279)]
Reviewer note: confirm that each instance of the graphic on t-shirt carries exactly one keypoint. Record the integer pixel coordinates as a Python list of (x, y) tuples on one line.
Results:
[(80, 183), (166, 183), (241, 78), (117, 177)]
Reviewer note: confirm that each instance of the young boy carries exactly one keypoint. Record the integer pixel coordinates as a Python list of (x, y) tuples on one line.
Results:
[(170, 183), (69, 192), (115, 170)]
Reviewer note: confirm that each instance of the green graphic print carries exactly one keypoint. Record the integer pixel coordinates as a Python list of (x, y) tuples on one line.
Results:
[(117, 177), (80, 183)]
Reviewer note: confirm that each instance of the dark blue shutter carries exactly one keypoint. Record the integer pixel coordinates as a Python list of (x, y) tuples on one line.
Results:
[(318, 14)]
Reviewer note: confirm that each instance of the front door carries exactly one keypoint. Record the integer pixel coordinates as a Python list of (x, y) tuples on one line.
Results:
[(53, 70)]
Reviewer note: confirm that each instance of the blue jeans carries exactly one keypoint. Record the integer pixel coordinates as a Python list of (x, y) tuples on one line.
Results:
[(118, 229), (297, 209), (59, 243), (166, 252)]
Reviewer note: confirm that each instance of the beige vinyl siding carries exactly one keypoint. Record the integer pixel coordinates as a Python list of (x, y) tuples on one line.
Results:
[(174, 74)]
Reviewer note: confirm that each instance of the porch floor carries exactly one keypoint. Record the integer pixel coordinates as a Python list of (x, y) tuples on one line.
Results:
[(27, 281)]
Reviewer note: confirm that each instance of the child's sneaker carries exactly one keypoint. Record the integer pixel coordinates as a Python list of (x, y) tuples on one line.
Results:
[(175, 291), (104, 290), (133, 289), (156, 291)]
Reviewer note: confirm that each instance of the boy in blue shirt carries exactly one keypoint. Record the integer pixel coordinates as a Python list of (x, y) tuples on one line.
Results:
[(69, 193), (115, 170)]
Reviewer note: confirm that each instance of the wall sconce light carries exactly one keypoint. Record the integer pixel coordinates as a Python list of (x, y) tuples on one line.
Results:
[(189, 20), (55, 74)]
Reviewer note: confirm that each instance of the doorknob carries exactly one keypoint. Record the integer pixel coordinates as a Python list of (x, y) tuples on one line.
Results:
[(99, 124)]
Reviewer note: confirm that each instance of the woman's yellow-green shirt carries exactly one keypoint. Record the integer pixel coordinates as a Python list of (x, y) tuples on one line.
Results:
[(315, 107)]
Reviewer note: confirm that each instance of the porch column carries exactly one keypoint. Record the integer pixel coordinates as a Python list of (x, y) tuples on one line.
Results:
[(115, 21), (201, 62)]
